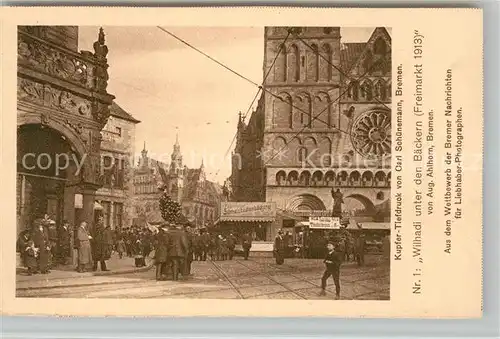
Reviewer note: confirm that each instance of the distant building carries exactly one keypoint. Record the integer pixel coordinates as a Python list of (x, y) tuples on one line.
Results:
[(198, 196), (117, 152), (146, 194), (315, 128)]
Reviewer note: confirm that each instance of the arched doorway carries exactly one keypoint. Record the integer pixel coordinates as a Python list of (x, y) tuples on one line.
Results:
[(46, 167), (306, 202), (359, 205)]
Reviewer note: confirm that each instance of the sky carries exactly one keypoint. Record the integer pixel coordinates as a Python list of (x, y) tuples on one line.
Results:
[(173, 89)]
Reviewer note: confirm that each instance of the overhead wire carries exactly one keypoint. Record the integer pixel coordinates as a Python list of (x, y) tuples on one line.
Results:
[(263, 88), (256, 95)]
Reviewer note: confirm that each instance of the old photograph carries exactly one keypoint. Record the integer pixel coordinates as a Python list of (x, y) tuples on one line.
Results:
[(203, 162)]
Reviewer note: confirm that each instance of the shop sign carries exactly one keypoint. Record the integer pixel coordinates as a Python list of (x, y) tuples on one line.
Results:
[(246, 209), (329, 223)]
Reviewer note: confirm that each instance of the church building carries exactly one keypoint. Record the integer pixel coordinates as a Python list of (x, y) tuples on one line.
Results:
[(323, 123)]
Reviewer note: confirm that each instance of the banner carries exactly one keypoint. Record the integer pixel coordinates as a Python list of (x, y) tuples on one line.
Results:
[(330, 223), (245, 209)]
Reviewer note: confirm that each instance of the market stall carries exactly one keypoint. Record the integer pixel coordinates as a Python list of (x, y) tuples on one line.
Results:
[(255, 218)]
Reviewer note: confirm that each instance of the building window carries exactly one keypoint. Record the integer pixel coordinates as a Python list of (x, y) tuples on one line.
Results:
[(106, 212), (108, 171), (119, 173), (118, 215), (118, 131)]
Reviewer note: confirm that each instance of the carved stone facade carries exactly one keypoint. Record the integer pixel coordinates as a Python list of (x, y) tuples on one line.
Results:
[(323, 121), (62, 92)]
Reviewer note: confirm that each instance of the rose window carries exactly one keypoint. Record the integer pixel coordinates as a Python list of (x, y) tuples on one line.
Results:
[(371, 134)]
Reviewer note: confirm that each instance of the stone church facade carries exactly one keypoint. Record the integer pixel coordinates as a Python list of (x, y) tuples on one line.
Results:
[(323, 122)]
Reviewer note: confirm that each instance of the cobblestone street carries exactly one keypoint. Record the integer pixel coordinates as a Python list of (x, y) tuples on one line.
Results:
[(257, 278)]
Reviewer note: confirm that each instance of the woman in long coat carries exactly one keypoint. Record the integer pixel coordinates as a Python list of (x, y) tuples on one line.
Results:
[(40, 239), (84, 250)]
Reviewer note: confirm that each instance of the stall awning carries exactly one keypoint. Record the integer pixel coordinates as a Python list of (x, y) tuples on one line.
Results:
[(244, 219)]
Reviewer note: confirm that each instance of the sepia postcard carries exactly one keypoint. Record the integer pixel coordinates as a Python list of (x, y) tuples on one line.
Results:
[(242, 162)]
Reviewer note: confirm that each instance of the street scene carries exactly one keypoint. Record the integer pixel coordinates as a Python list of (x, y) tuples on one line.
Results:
[(204, 163)]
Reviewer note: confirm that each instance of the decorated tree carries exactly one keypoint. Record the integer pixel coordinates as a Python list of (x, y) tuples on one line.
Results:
[(170, 209)]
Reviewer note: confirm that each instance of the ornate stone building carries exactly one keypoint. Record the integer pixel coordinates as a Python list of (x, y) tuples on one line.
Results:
[(62, 106), (323, 122), (147, 179), (198, 196), (117, 153)]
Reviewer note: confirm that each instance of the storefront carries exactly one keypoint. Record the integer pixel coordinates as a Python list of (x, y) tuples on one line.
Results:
[(255, 218)]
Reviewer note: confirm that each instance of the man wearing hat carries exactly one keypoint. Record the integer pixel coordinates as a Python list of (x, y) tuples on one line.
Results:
[(161, 252), (279, 248), (52, 233), (332, 261), (177, 246)]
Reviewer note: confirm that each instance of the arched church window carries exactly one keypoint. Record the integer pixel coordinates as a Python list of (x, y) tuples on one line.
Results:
[(353, 91), (293, 63), (367, 90), (280, 65)]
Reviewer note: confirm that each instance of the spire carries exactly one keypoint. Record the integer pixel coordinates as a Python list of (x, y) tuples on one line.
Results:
[(240, 120), (176, 157), (202, 165), (144, 148)]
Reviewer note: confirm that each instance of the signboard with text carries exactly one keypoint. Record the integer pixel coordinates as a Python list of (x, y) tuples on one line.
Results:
[(325, 223), (246, 209)]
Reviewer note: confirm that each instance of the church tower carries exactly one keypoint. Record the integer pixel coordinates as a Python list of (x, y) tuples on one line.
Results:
[(176, 173)]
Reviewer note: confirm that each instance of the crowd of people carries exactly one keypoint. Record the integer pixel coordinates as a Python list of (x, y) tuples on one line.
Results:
[(45, 246), (176, 247)]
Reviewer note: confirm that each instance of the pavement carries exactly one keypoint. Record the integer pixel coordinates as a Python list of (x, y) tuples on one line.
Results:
[(114, 264), (256, 278)]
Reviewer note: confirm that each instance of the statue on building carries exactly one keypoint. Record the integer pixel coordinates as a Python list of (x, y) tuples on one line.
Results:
[(338, 200), (226, 191)]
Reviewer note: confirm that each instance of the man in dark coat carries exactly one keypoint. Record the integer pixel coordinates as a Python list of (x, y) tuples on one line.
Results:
[(204, 244), (64, 243), (279, 248), (177, 249), (189, 252), (197, 247), (41, 241), (100, 246), (52, 232), (231, 244), (333, 260), (247, 244), (360, 249), (161, 253)]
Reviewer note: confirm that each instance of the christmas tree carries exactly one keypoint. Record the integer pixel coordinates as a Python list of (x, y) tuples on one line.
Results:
[(170, 209)]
